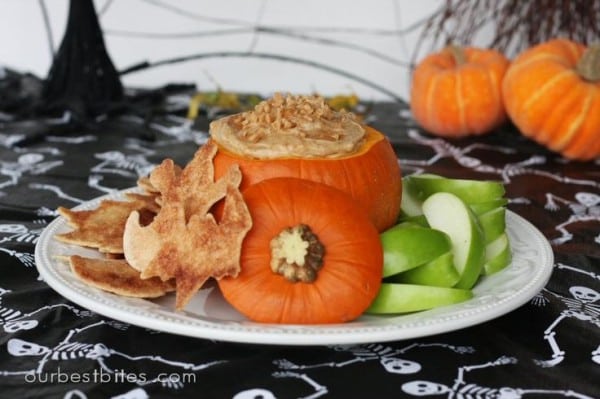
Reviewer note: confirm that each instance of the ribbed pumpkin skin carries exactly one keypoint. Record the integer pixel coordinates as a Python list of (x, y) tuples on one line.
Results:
[(450, 99), (350, 277), (372, 176), (550, 103)]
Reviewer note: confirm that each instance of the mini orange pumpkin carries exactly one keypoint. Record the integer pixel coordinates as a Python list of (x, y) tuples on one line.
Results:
[(457, 91), (371, 176), (552, 94), (311, 257)]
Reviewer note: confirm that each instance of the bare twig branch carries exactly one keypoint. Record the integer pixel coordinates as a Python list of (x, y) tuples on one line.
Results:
[(277, 57)]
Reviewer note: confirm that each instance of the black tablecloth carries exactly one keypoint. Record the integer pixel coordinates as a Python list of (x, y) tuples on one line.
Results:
[(549, 347)]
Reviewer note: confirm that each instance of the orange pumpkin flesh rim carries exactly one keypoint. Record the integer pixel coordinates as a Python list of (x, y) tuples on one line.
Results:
[(371, 176), (349, 278)]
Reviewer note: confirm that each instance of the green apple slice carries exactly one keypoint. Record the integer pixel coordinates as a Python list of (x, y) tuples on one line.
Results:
[(409, 245), (470, 191), (493, 223), (497, 255), (421, 220), (404, 298), (486, 206), (439, 272), (410, 205), (448, 213)]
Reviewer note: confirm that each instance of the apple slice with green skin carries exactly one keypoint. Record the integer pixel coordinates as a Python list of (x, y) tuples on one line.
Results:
[(448, 213), (470, 191), (493, 223), (404, 298), (486, 206), (421, 220), (497, 255), (410, 205), (408, 245), (439, 272)]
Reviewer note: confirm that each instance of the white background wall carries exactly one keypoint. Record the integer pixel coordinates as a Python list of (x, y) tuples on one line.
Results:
[(373, 40)]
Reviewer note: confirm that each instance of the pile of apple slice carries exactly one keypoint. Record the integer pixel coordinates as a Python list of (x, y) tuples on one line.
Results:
[(450, 233)]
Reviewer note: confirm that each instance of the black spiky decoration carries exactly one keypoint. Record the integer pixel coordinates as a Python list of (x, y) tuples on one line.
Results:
[(82, 78)]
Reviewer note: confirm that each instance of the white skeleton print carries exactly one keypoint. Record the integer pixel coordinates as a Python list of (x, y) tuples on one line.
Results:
[(181, 131), (463, 390), (27, 259), (94, 182), (255, 393), (75, 394), (575, 270), (319, 390), (387, 356), (584, 306), (137, 165), (139, 145), (66, 350), (116, 162), (46, 212), (9, 140), (71, 140), (13, 320), (29, 163), (585, 208), (56, 190), (261, 393), (18, 233), (178, 130), (135, 393), (443, 149)]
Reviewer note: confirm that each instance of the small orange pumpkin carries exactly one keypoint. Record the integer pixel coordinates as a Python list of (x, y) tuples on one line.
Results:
[(457, 91), (371, 176), (311, 257), (552, 94)]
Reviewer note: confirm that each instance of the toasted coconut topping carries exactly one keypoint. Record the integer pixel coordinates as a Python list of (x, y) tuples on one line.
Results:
[(290, 126)]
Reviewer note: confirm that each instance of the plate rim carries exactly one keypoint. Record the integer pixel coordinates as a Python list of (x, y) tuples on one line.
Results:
[(373, 329)]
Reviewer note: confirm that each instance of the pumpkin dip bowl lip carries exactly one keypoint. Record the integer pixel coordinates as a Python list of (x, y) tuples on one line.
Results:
[(294, 126), (344, 153), (370, 138)]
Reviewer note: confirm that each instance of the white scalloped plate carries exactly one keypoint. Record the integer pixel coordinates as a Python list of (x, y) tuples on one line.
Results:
[(209, 316)]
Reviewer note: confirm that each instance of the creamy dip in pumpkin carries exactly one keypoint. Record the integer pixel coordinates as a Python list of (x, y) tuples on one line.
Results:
[(290, 126)]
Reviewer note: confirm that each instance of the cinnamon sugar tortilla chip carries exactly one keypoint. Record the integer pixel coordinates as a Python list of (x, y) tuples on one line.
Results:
[(150, 201), (113, 256), (116, 276), (194, 186), (103, 227), (144, 184), (166, 234), (184, 241)]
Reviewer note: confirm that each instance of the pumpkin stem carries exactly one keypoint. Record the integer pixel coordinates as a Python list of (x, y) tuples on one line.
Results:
[(588, 66), (297, 254), (458, 53)]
